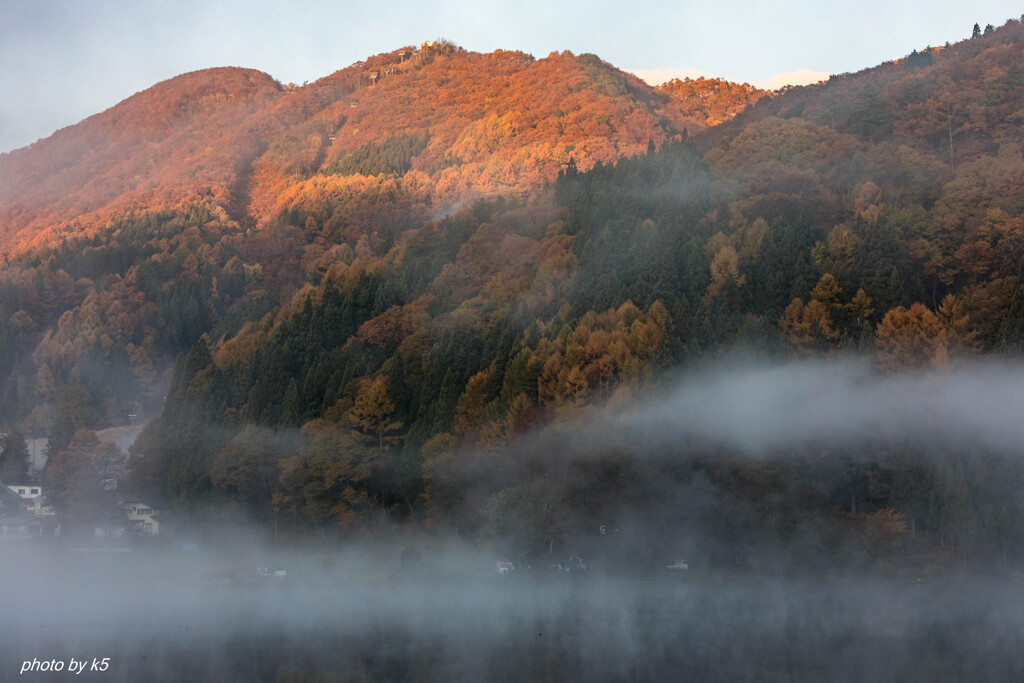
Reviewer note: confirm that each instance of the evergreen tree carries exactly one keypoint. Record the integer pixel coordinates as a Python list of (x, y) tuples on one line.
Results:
[(14, 457)]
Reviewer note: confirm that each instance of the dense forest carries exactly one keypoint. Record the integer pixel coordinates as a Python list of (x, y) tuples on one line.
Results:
[(358, 322)]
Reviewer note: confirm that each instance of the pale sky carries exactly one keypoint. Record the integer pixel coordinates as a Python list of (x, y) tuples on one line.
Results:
[(64, 60)]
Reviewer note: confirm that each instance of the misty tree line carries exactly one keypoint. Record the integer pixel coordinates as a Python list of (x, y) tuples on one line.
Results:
[(307, 364), (481, 390), (469, 395), (343, 378)]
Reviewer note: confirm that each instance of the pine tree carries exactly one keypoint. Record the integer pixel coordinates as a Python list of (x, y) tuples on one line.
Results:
[(14, 458)]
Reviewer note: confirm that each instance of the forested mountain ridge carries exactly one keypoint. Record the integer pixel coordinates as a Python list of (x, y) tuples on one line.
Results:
[(358, 355), (188, 207), (207, 200), (466, 124)]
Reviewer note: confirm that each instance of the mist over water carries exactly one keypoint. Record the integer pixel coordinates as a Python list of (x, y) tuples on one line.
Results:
[(428, 605), (177, 620)]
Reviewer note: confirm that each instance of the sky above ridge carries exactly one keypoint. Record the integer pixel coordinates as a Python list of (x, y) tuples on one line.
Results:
[(64, 60)]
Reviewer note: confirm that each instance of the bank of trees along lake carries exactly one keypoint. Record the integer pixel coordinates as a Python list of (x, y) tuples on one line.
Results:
[(342, 344)]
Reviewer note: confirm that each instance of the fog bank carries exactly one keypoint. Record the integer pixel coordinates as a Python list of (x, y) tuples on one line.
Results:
[(760, 408)]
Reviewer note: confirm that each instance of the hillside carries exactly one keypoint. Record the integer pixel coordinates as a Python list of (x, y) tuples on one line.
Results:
[(450, 124), (431, 255), (181, 140)]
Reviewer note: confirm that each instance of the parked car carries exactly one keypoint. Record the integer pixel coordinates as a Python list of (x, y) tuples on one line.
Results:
[(678, 566), (504, 567)]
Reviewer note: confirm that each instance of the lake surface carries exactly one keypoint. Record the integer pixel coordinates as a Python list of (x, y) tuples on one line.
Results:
[(207, 621)]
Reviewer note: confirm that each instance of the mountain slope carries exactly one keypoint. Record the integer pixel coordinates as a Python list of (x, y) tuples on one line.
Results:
[(475, 125), (348, 300), (180, 140), (776, 231)]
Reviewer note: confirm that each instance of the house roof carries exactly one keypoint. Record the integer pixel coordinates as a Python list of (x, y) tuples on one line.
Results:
[(10, 502)]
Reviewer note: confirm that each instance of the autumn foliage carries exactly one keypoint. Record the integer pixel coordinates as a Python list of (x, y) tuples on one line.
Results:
[(716, 99), (338, 302)]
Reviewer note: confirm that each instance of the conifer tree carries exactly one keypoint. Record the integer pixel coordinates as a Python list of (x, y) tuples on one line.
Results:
[(14, 458)]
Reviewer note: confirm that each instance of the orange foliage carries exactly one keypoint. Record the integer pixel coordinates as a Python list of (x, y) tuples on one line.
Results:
[(715, 99), (913, 338), (496, 123)]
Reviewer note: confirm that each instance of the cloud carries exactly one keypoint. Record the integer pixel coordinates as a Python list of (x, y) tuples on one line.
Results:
[(798, 77), (659, 76), (761, 409)]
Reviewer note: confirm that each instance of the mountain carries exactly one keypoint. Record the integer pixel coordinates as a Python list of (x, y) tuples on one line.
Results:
[(453, 124), (180, 140), (397, 273)]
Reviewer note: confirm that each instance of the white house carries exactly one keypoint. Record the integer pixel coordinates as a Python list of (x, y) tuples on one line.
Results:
[(143, 517), (27, 491), (20, 516), (34, 496)]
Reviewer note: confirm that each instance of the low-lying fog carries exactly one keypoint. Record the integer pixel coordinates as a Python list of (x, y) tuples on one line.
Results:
[(430, 606), (171, 617)]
